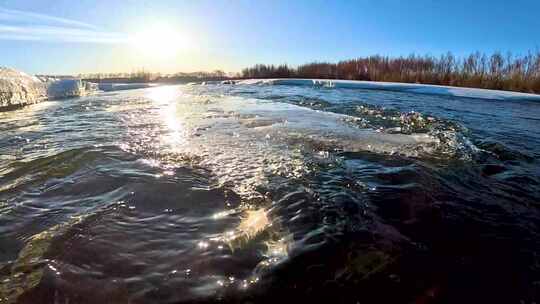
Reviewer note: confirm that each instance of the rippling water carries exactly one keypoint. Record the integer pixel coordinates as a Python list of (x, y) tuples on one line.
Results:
[(253, 193)]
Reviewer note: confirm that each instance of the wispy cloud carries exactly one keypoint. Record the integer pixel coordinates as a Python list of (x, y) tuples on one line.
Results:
[(22, 16), (29, 26)]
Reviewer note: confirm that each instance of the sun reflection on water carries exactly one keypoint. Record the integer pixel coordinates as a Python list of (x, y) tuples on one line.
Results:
[(163, 94), (166, 97), (253, 222), (187, 131)]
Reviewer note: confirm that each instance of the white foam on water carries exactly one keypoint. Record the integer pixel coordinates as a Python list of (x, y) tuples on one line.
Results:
[(243, 141)]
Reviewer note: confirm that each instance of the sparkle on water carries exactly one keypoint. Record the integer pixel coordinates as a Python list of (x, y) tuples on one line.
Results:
[(255, 193)]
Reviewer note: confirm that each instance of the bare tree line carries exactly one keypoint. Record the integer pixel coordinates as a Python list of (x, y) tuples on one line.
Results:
[(147, 76), (495, 71)]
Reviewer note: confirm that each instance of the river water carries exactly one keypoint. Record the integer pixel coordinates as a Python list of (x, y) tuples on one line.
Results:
[(266, 193)]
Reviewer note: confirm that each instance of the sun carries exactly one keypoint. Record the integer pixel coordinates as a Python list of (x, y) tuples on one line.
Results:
[(158, 41)]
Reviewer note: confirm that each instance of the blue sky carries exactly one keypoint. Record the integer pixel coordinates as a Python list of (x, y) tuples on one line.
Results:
[(104, 36)]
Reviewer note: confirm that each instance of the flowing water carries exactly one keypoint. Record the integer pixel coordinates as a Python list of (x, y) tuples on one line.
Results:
[(267, 193)]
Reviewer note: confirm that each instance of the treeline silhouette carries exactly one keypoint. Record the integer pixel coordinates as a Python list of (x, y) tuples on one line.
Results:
[(143, 76), (495, 71)]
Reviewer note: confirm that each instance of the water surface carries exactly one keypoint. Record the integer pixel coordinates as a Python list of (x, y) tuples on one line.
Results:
[(261, 193)]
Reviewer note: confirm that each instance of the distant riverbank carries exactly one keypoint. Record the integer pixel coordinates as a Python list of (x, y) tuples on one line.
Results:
[(496, 72), (160, 79), (396, 87)]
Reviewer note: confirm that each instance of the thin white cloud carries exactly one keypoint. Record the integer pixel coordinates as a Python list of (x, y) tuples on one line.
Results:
[(62, 34), (28, 26), (19, 37), (23, 16)]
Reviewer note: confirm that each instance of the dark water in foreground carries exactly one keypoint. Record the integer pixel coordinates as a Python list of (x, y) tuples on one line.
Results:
[(270, 193)]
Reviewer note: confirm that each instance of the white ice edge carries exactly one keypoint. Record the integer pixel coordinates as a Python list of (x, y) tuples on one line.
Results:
[(241, 139), (400, 87), (286, 121), (18, 88)]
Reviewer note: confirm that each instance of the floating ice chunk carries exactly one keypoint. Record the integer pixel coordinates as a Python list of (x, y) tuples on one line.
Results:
[(65, 88), (228, 82)]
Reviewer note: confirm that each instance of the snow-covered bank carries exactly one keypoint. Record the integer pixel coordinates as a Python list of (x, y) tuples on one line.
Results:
[(401, 87), (18, 88)]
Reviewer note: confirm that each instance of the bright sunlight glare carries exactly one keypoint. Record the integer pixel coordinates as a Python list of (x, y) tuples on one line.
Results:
[(159, 41)]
